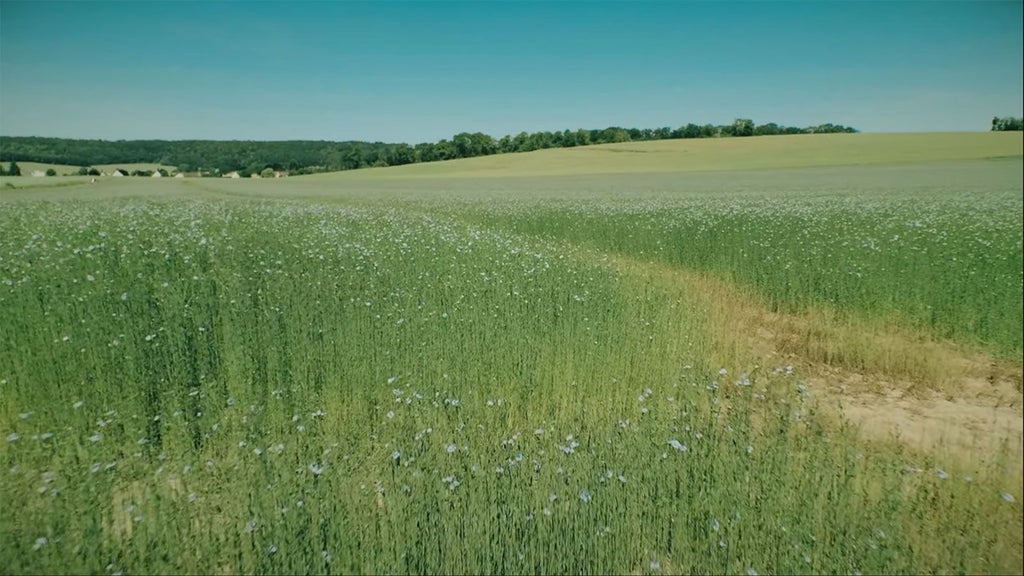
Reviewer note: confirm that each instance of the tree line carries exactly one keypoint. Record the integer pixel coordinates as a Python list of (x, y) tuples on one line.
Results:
[(1007, 124), (215, 157)]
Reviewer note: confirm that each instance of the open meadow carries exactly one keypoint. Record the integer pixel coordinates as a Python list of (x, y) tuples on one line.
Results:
[(761, 355)]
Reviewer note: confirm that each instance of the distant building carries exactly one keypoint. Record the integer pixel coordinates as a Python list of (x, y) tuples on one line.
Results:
[(254, 175), (38, 173), (118, 173), (232, 175), (280, 174), (157, 174)]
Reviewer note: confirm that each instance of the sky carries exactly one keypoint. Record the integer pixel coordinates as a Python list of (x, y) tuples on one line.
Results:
[(421, 71)]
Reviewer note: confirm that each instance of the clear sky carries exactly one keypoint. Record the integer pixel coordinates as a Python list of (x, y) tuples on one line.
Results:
[(413, 72)]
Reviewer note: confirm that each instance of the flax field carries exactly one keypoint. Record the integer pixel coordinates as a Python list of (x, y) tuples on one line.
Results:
[(507, 375)]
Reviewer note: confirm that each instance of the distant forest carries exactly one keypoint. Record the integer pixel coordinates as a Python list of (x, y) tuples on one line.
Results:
[(216, 157), (1008, 124)]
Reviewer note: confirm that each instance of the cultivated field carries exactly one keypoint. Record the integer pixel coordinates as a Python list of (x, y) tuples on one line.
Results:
[(770, 355), (27, 168), (722, 154)]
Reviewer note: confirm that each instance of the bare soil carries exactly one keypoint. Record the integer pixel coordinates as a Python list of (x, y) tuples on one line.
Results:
[(892, 383)]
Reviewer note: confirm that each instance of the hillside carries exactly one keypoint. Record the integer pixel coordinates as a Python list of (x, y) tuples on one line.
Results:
[(759, 152), (27, 168), (312, 156)]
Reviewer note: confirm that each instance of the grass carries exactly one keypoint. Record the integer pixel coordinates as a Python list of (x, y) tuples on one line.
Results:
[(133, 166), (948, 265), (934, 248), (765, 152), (65, 176), (27, 168), (481, 375)]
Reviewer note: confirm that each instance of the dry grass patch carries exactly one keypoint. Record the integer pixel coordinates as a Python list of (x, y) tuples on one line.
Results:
[(891, 382)]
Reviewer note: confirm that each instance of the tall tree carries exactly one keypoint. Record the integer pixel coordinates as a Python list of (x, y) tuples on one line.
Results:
[(742, 127)]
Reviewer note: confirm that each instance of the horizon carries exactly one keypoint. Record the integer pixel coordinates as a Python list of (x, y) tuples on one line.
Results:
[(496, 137), (422, 72)]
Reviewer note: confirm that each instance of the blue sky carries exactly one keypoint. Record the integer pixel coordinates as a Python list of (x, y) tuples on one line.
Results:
[(414, 72)]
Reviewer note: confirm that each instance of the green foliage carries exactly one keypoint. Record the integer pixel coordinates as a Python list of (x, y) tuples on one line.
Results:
[(1007, 124), (943, 257), (13, 169), (82, 171), (470, 145), (51, 172), (742, 127), (445, 380), (304, 157)]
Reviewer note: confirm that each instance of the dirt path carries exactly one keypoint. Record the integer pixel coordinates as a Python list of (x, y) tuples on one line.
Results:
[(931, 395)]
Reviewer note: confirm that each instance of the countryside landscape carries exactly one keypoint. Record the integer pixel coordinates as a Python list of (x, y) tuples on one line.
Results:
[(737, 348)]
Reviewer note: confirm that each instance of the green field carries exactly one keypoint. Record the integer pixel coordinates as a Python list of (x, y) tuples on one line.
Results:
[(28, 167), (768, 152), (65, 169), (615, 359)]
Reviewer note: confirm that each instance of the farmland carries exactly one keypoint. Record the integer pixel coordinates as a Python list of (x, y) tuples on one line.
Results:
[(27, 168), (771, 355)]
